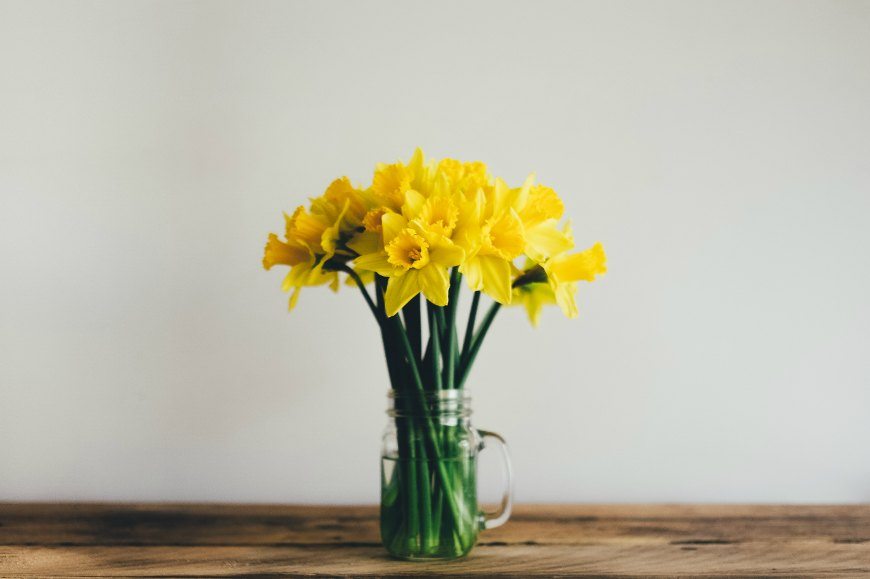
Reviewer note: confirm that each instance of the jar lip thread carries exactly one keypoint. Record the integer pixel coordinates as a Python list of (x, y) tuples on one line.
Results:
[(436, 403)]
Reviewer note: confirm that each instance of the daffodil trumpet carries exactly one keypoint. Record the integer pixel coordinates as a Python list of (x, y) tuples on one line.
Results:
[(409, 241)]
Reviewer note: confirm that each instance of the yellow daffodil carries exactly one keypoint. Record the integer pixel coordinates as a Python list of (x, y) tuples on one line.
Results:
[(303, 270), (311, 241), (392, 182), (540, 210), (555, 281), (488, 269), (564, 271), (339, 194), (494, 237), (414, 259)]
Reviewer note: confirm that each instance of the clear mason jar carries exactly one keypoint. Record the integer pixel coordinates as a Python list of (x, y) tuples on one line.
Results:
[(429, 476)]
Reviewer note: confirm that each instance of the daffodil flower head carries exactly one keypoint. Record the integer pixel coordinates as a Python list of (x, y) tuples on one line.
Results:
[(339, 194), (540, 204), (284, 253), (488, 268), (312, 240), (503, 236), (391, 183), (414, 259), (564, 271), (307, 228)]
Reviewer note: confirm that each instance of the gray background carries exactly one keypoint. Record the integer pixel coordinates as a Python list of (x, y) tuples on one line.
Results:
[(718, 149)]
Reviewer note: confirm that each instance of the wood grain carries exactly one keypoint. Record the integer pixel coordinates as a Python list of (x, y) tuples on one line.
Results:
[(85, 540)]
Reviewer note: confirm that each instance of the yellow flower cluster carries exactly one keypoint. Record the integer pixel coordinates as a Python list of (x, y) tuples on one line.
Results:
[(418, 220)]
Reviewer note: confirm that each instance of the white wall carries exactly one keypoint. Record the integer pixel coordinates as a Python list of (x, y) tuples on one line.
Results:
[(719, 149)]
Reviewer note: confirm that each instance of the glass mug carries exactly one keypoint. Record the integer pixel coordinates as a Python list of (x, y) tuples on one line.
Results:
[(429, 476)]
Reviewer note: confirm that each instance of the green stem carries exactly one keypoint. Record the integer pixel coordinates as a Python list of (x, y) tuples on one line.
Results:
[(412, 510), (478, 341), (437, 510), (450, 351), (442, 326), (411, 313), (435, 345), (427, 361), (425, 487), (400, 376), (469, 329)]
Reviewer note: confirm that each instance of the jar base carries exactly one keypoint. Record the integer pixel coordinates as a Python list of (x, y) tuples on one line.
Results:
[(423, 558)]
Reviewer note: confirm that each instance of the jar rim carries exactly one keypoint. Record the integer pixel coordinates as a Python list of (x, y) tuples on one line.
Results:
[(434, 395)]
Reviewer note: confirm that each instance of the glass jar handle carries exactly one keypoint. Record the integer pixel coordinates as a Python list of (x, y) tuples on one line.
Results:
[(500, 517)]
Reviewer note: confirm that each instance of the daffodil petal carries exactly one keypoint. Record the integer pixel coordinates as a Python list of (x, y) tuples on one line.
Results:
[(417, 160), (435, 283), (297, 276), (446, 254), (392, 224), (277, 252), (400, 290), (376, 262), (522, 195), (330, 234), (496, 274), (545, 240), (294, 297), (470, 270), (365, 242), (502, 197), (414, 202), (564, 293)]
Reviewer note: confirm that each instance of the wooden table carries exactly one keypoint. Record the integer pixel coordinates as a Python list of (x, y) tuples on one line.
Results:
[(87, 540)]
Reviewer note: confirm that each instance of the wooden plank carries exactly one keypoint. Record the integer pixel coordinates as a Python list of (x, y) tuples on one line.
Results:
[(759, 559), (541, 540), (154, 524)]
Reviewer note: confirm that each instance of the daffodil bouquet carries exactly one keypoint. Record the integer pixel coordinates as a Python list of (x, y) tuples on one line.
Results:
[(419, 229)]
